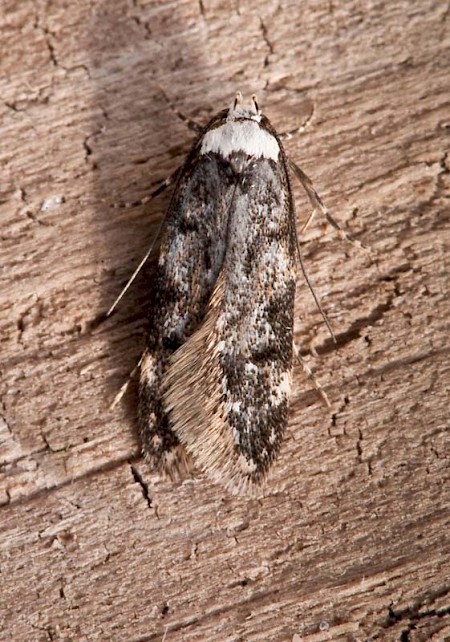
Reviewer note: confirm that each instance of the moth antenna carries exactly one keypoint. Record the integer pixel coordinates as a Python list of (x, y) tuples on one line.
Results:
[(317, 203), (311, 288), (137, 270), (255, 103), (237, 100)]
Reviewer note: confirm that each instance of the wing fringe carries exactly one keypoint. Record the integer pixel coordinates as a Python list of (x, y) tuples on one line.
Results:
[(173, 463), (193, 397)]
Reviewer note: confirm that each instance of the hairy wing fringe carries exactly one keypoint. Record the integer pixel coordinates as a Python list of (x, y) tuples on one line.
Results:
[(175, 464), (193, 397)]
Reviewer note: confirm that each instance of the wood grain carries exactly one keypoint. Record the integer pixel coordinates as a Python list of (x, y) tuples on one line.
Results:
[(351, 541)]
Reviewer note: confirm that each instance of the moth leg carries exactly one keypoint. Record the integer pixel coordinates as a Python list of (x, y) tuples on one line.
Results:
[(163, 185), (137, 270), (190, 124), (293, 132), (308, 222), (317, 204), (124, 387), (309, 373), (297, 130)]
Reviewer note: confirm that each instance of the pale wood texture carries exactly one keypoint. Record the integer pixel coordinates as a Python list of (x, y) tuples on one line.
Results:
[(351, 541)]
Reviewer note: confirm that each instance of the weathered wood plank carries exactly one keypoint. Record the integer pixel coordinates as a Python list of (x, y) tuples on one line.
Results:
[(351, 540)]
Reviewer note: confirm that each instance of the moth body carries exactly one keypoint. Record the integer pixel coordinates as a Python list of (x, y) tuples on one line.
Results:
[(215, 377)]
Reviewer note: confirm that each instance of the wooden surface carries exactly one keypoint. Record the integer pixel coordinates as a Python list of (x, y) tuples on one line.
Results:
[(352, 540)]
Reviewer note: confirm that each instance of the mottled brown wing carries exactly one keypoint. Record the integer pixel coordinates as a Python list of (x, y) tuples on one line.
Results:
[(226, 390), (191, 257)]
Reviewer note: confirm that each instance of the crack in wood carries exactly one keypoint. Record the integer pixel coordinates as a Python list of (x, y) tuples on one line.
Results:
[(144, 486), (413, 615)]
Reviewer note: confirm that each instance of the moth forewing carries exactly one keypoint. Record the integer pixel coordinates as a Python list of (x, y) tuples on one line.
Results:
[(216, 375)]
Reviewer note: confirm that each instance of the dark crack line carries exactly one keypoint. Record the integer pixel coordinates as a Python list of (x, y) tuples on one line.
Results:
[(407, 361), (354, 331), (144, 486), (51, 50), (86, 142), (415, 615), (47, 443), (267, 41), (98, 470), (256, 597), (28, 213), (13, 107), (46, 33)]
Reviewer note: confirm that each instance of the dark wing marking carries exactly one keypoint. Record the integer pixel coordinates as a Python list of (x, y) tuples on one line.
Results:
[(191, 256), (226, 389)]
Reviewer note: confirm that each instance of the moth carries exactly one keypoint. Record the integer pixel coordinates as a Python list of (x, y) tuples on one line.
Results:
[(216, 374)]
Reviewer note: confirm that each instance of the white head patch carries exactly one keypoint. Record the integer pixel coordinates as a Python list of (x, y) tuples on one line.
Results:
[(241, 133)]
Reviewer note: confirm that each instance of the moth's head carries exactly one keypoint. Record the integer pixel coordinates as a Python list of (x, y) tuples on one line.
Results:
[(241, 128), (239, 111)]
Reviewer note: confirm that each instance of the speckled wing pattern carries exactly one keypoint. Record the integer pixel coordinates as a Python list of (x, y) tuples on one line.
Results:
[(216, 374)]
